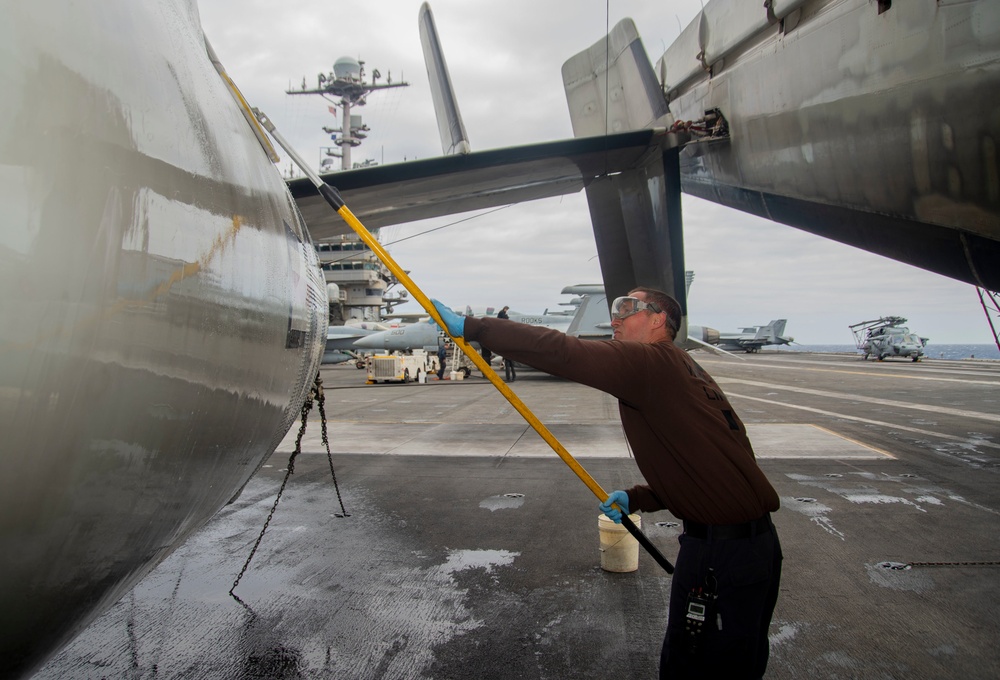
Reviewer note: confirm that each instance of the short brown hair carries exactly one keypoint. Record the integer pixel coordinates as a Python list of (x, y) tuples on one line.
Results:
[(665, 303)]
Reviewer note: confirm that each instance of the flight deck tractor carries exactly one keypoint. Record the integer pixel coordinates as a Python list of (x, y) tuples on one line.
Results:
[(412, 367)]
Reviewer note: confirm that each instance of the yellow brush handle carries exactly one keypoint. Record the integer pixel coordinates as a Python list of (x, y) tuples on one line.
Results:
[(515, 401), (332, 196)]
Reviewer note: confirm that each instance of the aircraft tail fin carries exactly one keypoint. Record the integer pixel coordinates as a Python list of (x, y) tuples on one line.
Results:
[(778, 328), (454, 140), (592, 318), (636, 214), (772, 332), (596, 78)]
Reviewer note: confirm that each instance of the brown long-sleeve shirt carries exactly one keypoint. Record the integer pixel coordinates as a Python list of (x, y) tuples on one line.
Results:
[(689, 444)]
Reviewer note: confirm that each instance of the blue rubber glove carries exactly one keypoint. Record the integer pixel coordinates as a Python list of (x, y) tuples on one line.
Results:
[(454, 322), (619, 498)]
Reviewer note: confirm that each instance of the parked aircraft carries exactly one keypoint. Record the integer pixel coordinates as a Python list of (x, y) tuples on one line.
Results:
[(887, 337), (558, 320), (420, 335), (162, 311), (340, 340), (589, 319), (752, 338)]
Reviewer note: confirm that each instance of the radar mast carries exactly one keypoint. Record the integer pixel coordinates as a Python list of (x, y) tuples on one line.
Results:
[(347, 81)]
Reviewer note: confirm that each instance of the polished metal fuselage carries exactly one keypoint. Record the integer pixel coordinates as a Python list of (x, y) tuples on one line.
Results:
[(162, 314), (875, 128)]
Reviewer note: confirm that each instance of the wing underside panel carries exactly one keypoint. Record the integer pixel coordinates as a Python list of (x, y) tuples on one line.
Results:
[(957, 254), (405, 192)]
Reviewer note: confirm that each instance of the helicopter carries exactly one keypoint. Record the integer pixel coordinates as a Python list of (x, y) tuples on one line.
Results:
[(888, 337)]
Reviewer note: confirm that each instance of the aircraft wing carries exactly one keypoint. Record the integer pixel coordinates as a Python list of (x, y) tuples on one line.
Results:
[(343, 337), (383, 195), (407, 317)]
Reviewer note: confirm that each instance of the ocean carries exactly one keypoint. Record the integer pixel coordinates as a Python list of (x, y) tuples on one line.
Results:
[(931, 351)]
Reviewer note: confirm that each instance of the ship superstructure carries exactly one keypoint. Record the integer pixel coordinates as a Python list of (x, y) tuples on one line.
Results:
[(357, 282)]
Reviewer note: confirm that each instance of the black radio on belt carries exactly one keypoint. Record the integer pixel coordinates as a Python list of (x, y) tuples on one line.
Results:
[(700, 611)]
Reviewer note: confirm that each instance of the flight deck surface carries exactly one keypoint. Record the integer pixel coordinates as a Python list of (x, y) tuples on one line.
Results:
[(471, 550)]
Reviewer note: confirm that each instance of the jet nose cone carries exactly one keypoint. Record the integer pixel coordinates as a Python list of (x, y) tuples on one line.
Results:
[(369, 342)]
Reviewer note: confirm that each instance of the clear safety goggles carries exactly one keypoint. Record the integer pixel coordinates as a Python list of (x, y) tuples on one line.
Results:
[(624, 307)]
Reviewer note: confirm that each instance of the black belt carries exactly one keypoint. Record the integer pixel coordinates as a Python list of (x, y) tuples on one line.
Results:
[(724, 531)]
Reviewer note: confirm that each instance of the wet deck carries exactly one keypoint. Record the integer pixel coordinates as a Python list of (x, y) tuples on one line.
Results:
[(439, 573)]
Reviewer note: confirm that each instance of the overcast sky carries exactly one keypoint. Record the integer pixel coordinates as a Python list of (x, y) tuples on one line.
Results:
[(505, 60)]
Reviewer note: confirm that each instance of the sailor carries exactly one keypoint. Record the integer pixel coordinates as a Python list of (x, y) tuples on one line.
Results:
[(442, 359), (693, 451), (510, 374)]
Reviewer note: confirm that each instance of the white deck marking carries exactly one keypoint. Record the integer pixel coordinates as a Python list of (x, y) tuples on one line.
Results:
[(874, 373), (962, 413), (891, 426), (770, 441), (798, 440)]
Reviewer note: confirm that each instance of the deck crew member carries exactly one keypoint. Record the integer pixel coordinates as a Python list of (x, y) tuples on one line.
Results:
[(693, 452)]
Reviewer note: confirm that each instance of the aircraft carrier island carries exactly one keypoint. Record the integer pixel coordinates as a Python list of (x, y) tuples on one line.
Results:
[(471, 551)]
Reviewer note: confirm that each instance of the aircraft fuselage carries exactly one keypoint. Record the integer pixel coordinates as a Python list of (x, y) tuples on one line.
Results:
[(162, 313), (876, 129)]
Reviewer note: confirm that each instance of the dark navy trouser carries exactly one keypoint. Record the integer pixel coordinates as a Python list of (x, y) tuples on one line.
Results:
[(748, 571)]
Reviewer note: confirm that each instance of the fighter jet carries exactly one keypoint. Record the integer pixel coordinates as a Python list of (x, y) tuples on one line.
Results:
[(589, 318), (340, 340), (752, 338)]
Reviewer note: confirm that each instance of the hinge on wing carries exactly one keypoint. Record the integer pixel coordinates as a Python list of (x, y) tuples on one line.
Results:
[(769, 8), (713, 126)]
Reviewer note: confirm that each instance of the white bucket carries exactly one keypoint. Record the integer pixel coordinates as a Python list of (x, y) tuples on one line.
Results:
[(456, 375), (619, 549)]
